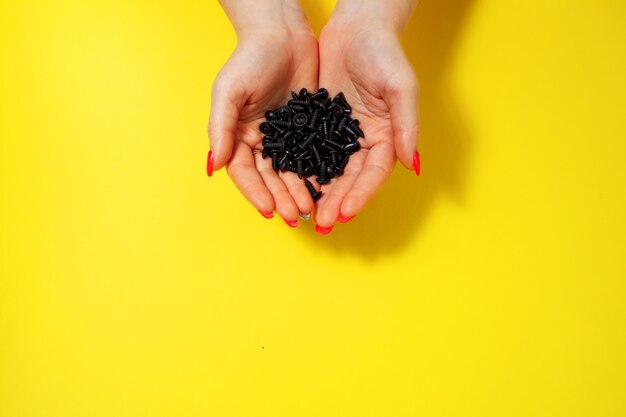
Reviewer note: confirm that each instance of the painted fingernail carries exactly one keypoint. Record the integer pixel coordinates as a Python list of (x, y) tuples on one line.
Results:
[(267, 215), (343, 219), (305, 216), (323, 230), (209, 164), (292, 223), (416, 163)]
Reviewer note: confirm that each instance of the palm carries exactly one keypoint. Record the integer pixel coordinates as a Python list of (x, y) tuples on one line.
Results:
[(259, 76), (363, 66)]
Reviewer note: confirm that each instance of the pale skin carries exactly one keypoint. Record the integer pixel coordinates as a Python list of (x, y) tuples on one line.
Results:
[(359, 53)]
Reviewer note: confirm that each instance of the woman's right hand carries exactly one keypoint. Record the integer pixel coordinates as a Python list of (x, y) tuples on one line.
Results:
[(267, 64)]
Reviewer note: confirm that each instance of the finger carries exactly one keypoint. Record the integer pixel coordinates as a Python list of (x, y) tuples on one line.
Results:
[(285, 205), (298, 192), (376, 169), (329, 206), (242, 170), (403, 108), (225, 106)]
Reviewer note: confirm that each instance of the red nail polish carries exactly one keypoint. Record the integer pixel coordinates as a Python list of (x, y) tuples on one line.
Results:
[(323, 230), (292, 223), (416, 163), (267, 215), (343, 219), (209, 164)]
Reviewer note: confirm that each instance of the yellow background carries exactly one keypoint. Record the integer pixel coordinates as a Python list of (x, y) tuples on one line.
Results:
[(133, 285)]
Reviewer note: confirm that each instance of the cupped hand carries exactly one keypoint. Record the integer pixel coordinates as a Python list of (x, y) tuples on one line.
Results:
[(370, 67), (264, 68)]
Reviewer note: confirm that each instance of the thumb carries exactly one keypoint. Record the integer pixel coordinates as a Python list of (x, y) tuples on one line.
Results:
[(403, 110), (222, 123)]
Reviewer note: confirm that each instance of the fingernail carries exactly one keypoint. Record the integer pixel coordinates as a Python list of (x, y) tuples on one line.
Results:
[(305, 216), (292, 223), (209, 164), (343, 219), (416, 163), (267, 215), (323, 230)]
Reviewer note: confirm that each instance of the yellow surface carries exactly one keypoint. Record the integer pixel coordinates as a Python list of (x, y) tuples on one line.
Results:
[(133, 285)]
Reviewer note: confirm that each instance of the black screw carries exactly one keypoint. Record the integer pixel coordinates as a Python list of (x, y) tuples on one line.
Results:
[(308, 140), (331, 144), (289, 167), (298, 107), (351, 133), (282, 164), (321, 94), (323, 177), (284, 112), (300, 167), (351, 147), (285, 124), (303, 103), (354, 125), (336, 109), (342, 165), (313, 121), (279, 145), (265, 128), (288, 136), (316, 154), (343, 123), (341, 99), (337, 137), (300, 119), (316, 195)]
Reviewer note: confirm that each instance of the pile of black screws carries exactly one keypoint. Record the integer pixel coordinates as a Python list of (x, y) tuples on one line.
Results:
[(311, 135)]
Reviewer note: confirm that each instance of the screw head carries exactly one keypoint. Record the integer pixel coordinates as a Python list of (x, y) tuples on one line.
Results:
[(265, 128), (351, 147), (284, 112), (321, 94), (300, 119), (336, 108), (271, 115)]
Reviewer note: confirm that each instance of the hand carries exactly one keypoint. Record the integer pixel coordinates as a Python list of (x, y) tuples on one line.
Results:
[(268, 62), (368, 64)]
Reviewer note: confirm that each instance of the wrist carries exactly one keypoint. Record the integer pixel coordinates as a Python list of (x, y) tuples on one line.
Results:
[(252, 18), (383, 16)]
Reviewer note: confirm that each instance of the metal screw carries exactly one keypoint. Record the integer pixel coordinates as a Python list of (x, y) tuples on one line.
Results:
[(275, 157), (300, 119), (308, 140), (341, 99), (279, 145), (284, 112), (323, 177), (316, 195), (321, 94), (265, 128), (354, 126), (351, 147)]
